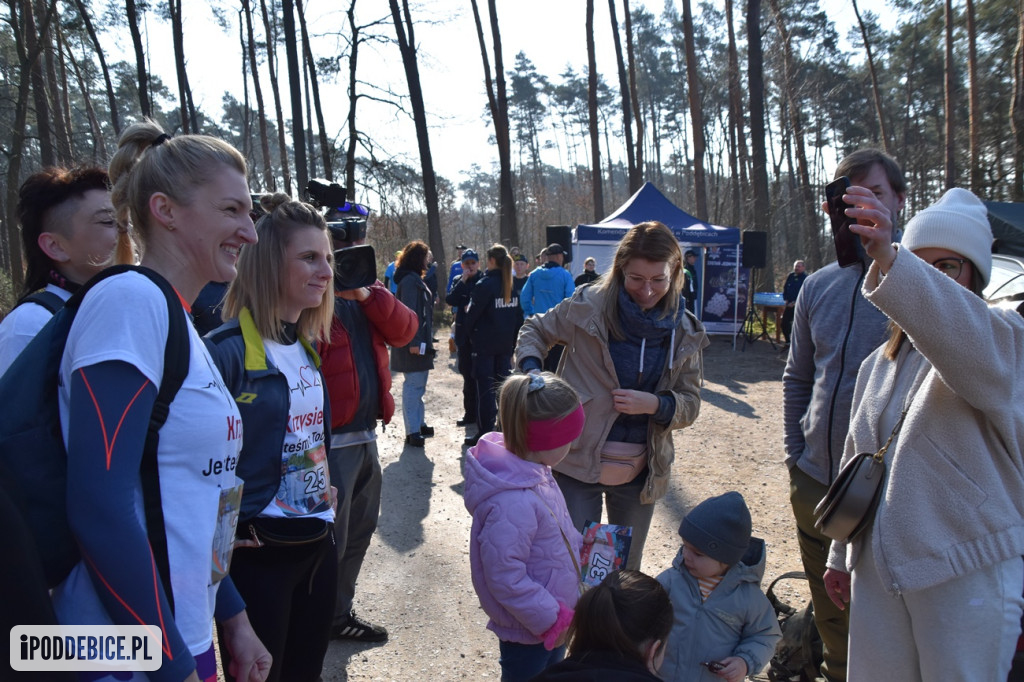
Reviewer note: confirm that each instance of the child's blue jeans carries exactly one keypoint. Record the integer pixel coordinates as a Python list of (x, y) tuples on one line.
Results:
[(520, 662)]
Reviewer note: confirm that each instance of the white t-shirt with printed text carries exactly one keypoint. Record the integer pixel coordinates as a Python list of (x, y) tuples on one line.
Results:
[(125, 318), (305, 488)]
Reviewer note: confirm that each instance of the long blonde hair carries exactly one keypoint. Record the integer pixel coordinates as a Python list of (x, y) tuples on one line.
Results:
[(518, 405), (258, 284), (651, 241), (147, 161)]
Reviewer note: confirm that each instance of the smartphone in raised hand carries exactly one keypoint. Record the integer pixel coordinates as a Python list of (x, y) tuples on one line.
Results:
[(844, 240)]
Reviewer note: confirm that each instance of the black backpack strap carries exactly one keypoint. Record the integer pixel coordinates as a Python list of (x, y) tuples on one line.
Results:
[(176, 362), (49, 300)]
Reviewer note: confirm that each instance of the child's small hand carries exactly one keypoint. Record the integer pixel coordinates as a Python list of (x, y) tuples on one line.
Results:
[(734, 669)]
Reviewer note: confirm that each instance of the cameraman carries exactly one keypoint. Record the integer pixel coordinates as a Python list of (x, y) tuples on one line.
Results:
[(355, 367)]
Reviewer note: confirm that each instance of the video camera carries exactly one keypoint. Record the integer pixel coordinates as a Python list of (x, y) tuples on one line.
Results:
[(345, 219)]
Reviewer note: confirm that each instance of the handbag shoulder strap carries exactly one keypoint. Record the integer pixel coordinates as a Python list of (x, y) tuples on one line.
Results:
[(568, 547), (918, 381)]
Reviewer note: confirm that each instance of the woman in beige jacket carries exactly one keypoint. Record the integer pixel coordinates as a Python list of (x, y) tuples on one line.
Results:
[(934, 581), (633, 354)]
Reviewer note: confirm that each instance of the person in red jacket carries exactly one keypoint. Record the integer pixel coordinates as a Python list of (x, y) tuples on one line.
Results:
[(355, 367)]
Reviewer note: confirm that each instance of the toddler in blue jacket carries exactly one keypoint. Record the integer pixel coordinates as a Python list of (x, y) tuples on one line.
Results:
[(724, 627)]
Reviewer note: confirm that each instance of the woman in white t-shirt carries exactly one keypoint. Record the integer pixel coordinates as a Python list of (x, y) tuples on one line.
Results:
[(281, 302), (188, 203), (68, 234)]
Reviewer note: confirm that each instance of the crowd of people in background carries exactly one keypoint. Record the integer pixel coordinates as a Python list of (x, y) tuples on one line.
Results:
[(572, 392)]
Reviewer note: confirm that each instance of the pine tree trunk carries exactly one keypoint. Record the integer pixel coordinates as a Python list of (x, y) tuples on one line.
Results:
[(142, 76), (99, 154), (696, 115), (758, 155), (295, 90), (638, 166), (883, 132), (115, 117), (497, 100), (740, 159), (595, 140), (325, 146), (949, 171), (808, 230), (353, 100), (282, 146), (627, 113), (22, 25), (407, 46), (44, 130), (57, 85), (269, 182), (1017, 108), (974, 115)]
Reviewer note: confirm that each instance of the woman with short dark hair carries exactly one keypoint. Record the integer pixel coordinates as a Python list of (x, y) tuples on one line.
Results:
[(68, 234)]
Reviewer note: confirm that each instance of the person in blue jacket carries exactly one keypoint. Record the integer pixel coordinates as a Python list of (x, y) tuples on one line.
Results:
[(492, 322), (546, 287), (548, 284), (280, 304)]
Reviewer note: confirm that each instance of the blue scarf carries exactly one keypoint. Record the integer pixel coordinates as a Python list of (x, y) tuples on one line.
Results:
[(640, 359)]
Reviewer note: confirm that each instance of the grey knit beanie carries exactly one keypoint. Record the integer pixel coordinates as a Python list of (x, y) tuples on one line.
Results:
[(719, 527), (958, 221)]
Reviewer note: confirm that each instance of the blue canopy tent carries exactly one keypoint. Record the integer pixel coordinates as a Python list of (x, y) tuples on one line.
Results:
[(601, 239)]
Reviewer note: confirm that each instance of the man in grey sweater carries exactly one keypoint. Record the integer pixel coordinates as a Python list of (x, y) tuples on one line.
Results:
[(834, 329)]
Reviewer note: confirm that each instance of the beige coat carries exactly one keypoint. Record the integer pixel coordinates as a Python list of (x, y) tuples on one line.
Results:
[(953, 500), (587, 366)]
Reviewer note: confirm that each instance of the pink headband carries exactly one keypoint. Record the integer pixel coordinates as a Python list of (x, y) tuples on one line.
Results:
[(549, 434)]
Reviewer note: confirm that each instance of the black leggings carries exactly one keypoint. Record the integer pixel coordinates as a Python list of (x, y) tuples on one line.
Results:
[(289, 594)]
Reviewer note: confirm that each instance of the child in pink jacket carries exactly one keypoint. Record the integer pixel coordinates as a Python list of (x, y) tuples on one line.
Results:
[(523, 547)]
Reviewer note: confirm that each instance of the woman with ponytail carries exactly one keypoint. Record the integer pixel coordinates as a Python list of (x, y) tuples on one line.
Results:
[(187, 202), (279, 305), (492, 322)]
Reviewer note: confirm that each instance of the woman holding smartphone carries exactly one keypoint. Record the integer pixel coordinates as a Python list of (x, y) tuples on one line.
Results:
[(946, 391)]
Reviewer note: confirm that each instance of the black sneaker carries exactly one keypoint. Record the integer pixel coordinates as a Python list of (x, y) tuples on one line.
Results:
[(415, 440), (466, 421), (472, 440), (358, 629), (426, 431)]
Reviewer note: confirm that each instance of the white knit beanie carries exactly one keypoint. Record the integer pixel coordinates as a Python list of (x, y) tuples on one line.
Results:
[(958, 221)]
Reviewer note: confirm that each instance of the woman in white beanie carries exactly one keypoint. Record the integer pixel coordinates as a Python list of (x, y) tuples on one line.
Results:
[(934, 581)]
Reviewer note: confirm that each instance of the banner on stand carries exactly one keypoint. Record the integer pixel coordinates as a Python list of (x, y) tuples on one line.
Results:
[(724, 300)]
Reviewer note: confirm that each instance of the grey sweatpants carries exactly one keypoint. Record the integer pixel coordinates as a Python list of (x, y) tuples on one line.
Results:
[(963, 629), (355, 472)]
